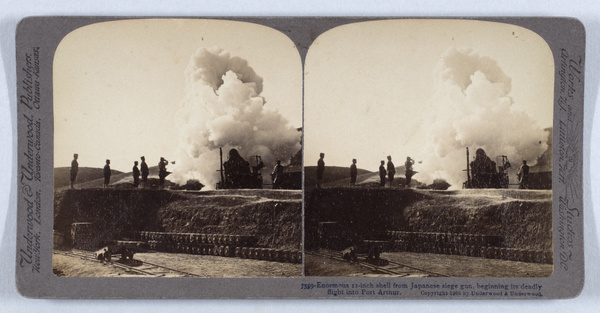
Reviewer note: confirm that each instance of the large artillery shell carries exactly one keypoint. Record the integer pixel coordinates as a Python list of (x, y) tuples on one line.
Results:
[(262, 254), (271, 254)]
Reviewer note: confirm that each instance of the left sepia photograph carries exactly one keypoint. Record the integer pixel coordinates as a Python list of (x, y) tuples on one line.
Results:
[(177, 150)]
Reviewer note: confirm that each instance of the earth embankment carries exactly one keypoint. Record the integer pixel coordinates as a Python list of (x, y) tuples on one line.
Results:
[(523, 218), (274, 217)]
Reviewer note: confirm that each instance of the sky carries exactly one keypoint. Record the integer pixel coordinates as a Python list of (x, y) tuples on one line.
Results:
[(426, 89), (420, 88), (120, 87)]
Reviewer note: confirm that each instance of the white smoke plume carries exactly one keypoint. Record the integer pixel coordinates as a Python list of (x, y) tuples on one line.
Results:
[(473, 108), (222, 107)]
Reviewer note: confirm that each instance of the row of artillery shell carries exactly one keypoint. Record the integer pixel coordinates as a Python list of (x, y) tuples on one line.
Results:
[(450, 238), (197, 238), (513, 254), (267, 254)]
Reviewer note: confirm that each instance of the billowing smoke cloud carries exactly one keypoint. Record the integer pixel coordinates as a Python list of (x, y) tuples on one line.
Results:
[(472, 108), (222, 107)]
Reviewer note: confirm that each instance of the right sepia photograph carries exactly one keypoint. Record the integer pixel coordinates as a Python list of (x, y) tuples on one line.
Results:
[(428, 150)]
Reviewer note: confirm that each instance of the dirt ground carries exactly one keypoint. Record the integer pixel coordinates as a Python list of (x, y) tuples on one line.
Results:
[(449, 265), (201, 265), (321, 266)]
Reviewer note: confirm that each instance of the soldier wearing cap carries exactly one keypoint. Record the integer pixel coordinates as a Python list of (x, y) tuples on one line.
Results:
[(523, 175), (391, 170), (144, 171), (74, 169), (353, 173), (162, 171), (106, 173), (408, 170), (277, 174), (320, 170), (136, 175), (382, 174)]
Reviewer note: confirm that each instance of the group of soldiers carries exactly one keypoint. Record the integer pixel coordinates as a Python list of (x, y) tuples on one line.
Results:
[(390, 171), (136, 172), (277, 173)]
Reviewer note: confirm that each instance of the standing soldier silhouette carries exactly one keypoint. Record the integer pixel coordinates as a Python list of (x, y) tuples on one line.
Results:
[(144, 168), (523, 175), (106, 173), (136, 175), (408, 170), (74, 169), (391, 169), (353, 173), (320, 170), (162, 171), (382, 174), (276, 175)]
